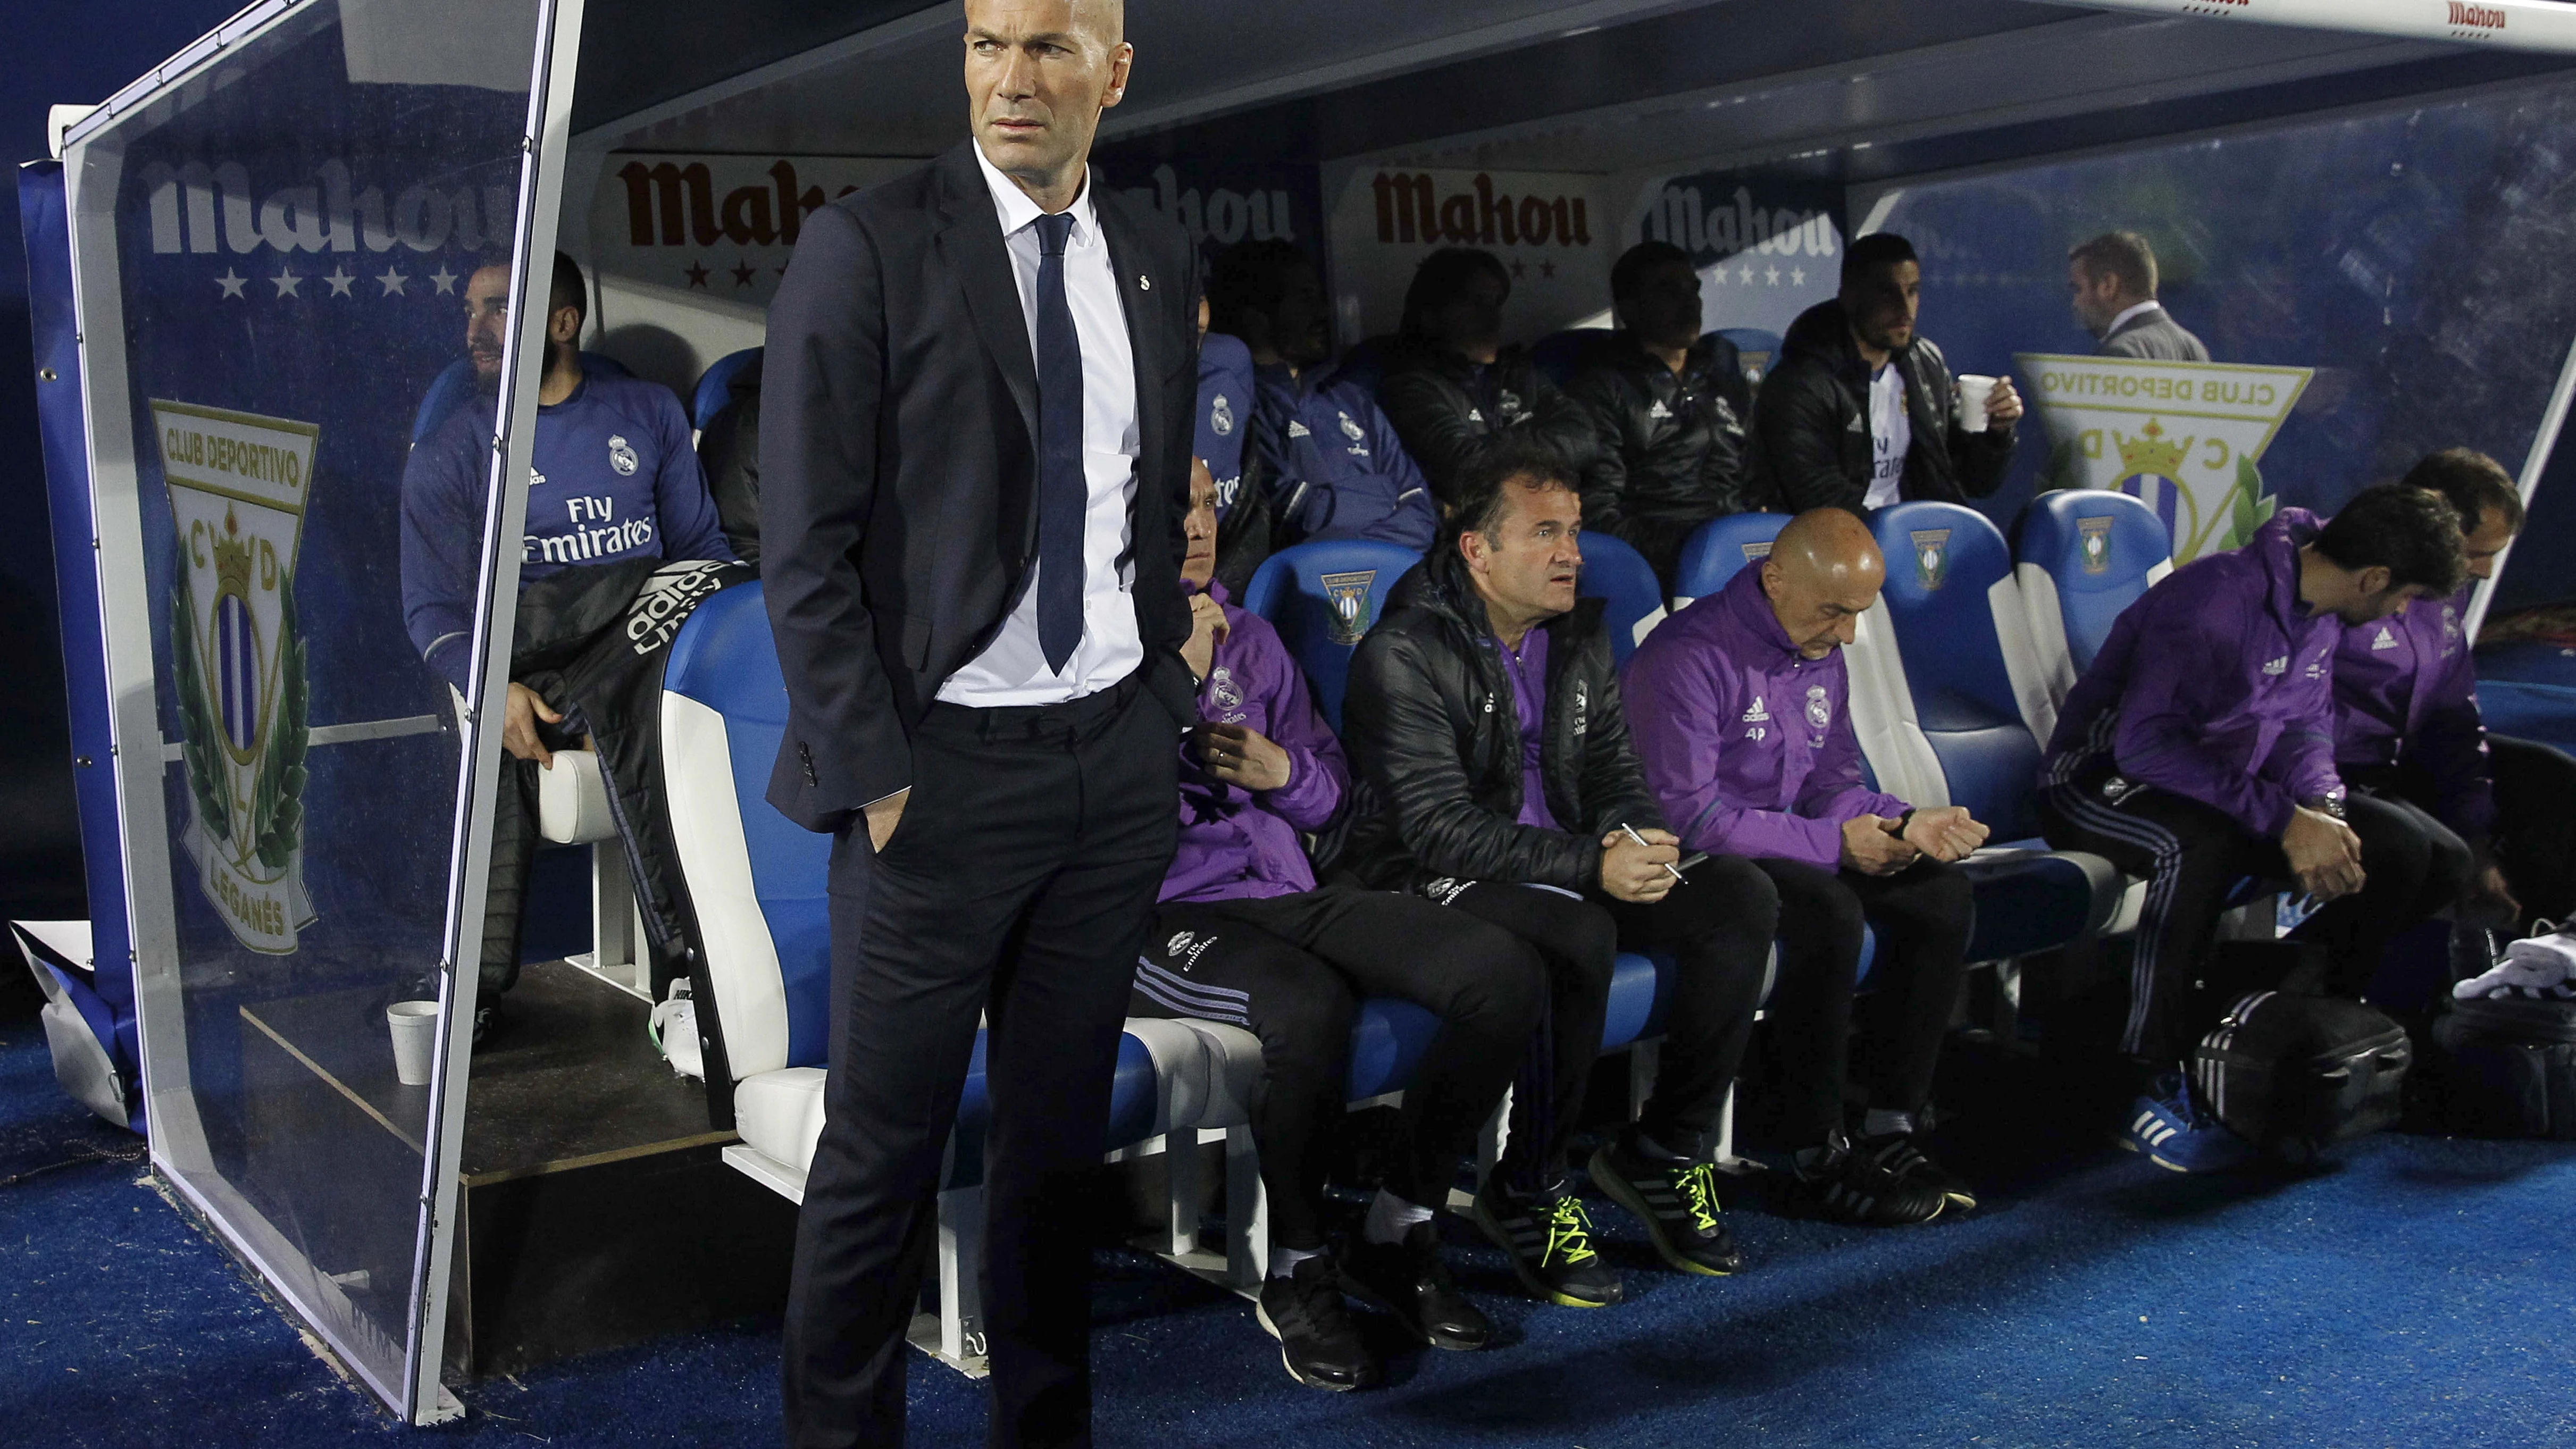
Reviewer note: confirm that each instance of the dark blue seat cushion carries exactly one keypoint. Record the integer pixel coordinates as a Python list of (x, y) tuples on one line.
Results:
[(1387, 1043)]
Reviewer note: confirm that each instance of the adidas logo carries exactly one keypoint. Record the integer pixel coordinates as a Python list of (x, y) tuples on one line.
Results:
[(2278, 667), (2385, 640), (1659, 412), (1757, 714), (1299, 430), (2152, 1129)]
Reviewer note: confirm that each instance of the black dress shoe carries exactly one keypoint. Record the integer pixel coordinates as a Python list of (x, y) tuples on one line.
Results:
[(1409, 1281), (1317, 1340)]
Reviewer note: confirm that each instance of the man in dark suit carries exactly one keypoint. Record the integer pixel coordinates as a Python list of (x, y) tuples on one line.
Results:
[(976, 431), (2113, 280)]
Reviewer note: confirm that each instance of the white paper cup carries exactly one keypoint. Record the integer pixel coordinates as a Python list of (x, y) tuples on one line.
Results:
[(1973, 392), (415, 1029)]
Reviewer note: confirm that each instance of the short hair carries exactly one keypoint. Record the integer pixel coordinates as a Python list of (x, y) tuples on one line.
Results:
[(2475, 483), (1442, 276), (1249, 278), (2411, 532), (1508, 458), (2121, 254), (1878, 249), (568, 289), (1629, 272)]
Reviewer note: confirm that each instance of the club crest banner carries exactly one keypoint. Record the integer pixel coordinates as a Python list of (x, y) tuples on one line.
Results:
[(238, 487), (2184, 437)]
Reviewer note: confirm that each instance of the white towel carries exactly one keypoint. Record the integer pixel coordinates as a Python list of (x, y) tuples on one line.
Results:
[(2543, 966)]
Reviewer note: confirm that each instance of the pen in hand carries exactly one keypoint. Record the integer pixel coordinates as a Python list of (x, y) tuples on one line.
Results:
[(1641, 840)]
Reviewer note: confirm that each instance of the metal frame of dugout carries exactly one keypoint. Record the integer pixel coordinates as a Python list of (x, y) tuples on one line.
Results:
[(239, 473)]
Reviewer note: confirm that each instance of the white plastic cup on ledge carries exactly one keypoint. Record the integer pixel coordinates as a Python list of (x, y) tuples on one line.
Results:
[(415, 1029), (1974, 389)]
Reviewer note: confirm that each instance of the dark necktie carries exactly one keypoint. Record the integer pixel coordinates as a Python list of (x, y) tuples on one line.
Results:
[(1063, 492)]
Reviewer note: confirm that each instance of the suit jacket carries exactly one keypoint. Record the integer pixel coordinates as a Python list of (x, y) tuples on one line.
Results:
[(2154, 335), (899, 443)]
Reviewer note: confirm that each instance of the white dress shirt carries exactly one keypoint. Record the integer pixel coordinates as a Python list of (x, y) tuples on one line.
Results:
[(1012, 670), (2140, 310)]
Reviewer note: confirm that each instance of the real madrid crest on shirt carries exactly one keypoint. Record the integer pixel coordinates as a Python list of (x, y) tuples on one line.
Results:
[(1223, 692), (621, 456), (1820, 708), (1221, 416), (238, 487)]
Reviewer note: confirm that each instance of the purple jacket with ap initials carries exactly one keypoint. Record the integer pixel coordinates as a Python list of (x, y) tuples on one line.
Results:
[(1747, 742), (2217, 685), (1237, 843)]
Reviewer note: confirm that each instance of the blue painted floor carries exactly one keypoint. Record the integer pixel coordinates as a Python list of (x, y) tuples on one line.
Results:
[(2421, 1292)]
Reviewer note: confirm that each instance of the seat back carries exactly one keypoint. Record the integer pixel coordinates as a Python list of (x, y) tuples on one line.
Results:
[(1560, 355), (1720, 549), (455, 383), (1758, 349), (2086, 554), (1621, 578), (756, 881), (715, 385), (1962, 660), (1322, 597)]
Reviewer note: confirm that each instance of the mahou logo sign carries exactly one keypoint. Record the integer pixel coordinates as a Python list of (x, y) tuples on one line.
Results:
[(1544, 226), (716, 226)]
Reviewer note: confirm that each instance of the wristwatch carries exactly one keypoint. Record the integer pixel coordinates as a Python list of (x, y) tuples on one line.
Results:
[(2327, 804)]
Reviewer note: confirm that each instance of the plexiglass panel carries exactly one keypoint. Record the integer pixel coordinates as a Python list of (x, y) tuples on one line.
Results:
[(274, 257)]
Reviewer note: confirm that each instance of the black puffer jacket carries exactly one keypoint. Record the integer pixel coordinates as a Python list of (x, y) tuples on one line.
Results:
[(1445, 408), (1431, 729), (1673, 447), (1811, 427)]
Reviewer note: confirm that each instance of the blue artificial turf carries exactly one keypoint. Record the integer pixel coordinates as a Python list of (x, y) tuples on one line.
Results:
[(2417, 1293)]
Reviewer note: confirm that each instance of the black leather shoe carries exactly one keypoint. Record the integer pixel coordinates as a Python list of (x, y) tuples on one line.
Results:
[(1317, 1340), (1409, 1281)]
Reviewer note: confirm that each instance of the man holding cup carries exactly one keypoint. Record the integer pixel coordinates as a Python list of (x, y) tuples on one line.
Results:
[(1862, 412)]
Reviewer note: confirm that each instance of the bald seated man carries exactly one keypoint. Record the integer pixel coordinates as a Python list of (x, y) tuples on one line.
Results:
[(1741, 708)]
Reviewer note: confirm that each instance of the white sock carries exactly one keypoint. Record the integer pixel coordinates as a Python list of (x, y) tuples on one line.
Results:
[(1284, 1261), (1878, 1122), (1391, 1217)]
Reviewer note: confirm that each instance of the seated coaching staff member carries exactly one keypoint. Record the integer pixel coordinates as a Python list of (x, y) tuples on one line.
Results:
[(1484, 714), (1244, 936), (1742, 706), (976, 431), (2199, 749), (1860, 412)]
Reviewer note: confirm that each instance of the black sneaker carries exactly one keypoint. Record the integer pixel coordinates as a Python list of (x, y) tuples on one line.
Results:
[(1849, 1187), (1677, 1201), (1899, 1153), (1409, 1281), (1317, 1340), (1549, 1241)]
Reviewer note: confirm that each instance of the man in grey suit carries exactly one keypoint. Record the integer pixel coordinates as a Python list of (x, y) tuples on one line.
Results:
[(976, 433), (2113, 279)]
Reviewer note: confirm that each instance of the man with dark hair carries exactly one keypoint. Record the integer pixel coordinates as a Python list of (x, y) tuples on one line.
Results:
[(1861, 411), (1484, 715), (2407, 728), (1452, 388), (2199, 749), (1336, 467), (1668, 410), (1244, 936), (2113, 281), (613, 478), (1742, 705)]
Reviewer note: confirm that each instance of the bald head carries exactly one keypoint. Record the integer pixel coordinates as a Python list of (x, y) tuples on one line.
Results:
[(1823, 574), (1038, 75)]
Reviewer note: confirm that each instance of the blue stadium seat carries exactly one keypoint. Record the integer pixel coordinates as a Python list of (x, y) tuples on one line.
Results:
[(715, 385), (2528, 689), (455, 383), (1322, 597), (1954, 666), (1721, 548), (1620, 577), (2085, 556), (1758, 348), (1560, 355)]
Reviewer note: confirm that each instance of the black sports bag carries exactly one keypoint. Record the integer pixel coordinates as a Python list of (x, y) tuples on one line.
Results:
[(2294, 1074), (2508, 1065)]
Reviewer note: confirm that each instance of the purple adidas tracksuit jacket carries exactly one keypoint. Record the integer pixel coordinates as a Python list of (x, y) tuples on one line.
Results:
[(2405, 687), (1235, 843), (2217, 685), (1747, 742)]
